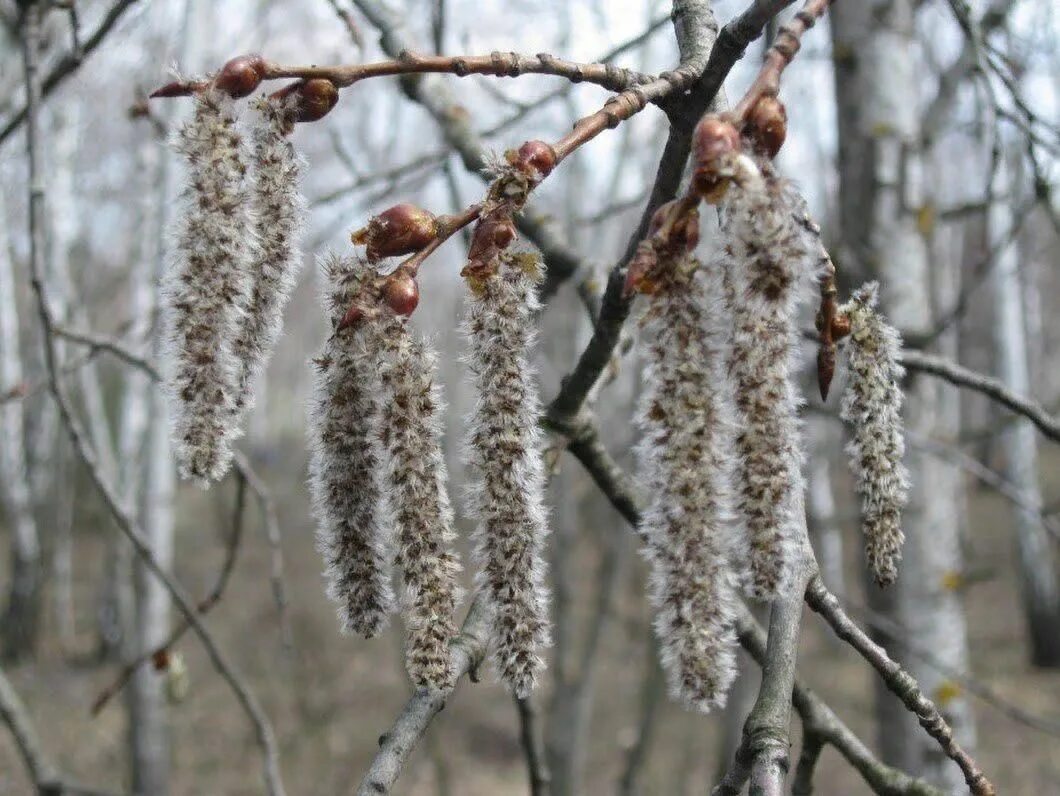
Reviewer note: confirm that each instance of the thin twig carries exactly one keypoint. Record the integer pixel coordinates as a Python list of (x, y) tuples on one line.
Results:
[(899, 682), (530, 737)]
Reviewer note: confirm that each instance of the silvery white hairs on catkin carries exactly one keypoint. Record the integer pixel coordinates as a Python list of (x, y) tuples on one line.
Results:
[(506, 495), (410, 434), (345, 472), (686, 462), (872, 405), (277, 209), (206, 287), (768, 265)]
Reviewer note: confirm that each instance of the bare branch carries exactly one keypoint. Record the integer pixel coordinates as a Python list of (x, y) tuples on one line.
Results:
[(533, 747), (395, 746), (69, 63), (899, 681), (993, 388)]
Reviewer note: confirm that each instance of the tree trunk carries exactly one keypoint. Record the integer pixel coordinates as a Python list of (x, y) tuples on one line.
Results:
[(880, 175), (21, 621), (1037, 564)]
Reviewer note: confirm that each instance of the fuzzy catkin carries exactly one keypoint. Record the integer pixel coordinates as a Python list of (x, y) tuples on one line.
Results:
[(768, 264), (344, 466), (277, 209), (410, 433), (872, 405), (506, 495), (206, 289), (685, 464)]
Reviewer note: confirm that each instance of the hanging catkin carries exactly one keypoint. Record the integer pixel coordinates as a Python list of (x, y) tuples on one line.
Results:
[(410, 432), (767, 266), (345, 470), (507, 478), (207, 288), (685, 463), (277, 210), (872, 406)]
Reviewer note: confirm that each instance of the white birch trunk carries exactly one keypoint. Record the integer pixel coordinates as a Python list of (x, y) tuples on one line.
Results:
[(1037, 564), (877, 94), (21, 620)]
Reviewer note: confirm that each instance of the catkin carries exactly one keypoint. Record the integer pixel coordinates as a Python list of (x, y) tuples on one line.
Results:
[(507, 476), (410, 434), (344, 465), (277, 210), (207, 288), (685, 464), (872, 405), (768, 264)]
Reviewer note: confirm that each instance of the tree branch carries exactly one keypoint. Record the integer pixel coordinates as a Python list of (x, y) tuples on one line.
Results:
[(395, 746), (899, 682)]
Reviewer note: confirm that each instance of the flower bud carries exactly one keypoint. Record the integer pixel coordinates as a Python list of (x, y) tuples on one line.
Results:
[(316, 99), (712, 141), (401, 292), (684, 230), (642, 264), (767, 125), (402, 229), (350, 317), (241, 76), (535, 158)]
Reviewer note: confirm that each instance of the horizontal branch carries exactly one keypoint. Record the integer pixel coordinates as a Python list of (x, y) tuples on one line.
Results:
[(989, 386), (899, 682)]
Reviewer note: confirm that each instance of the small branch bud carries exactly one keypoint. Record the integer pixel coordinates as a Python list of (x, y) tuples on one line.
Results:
[(713, 141), (316, 99), (241, 76), (400, 230), (536, 159), (401, 292), (767, 125)]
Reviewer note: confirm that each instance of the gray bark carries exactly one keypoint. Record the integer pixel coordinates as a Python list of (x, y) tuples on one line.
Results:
[(1037, 565), (21, 622), (880, 176)]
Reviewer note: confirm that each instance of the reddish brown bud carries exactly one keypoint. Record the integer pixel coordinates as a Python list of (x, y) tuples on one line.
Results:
[(713, 140), (399, 230), (767, 125), (316, 99), (637, 274), (160, 659), (840, 327), (241, 76), (178, 88), (350, 317), (534, 158), (401, 292), (825, 368), (683, 232)]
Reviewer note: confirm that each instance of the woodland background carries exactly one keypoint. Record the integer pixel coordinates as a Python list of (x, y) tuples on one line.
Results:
[(969, 260)]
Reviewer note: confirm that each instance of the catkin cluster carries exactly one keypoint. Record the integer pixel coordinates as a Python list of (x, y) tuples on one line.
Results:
[(236, 259), (768, 264), (377, 475), (507, 477), (685, 464), (872, 405)]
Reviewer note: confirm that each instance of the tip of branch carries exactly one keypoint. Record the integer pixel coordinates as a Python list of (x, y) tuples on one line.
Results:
[(178, 88)]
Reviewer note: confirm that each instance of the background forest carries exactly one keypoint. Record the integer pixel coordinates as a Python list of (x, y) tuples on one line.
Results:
[(925, 137)]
